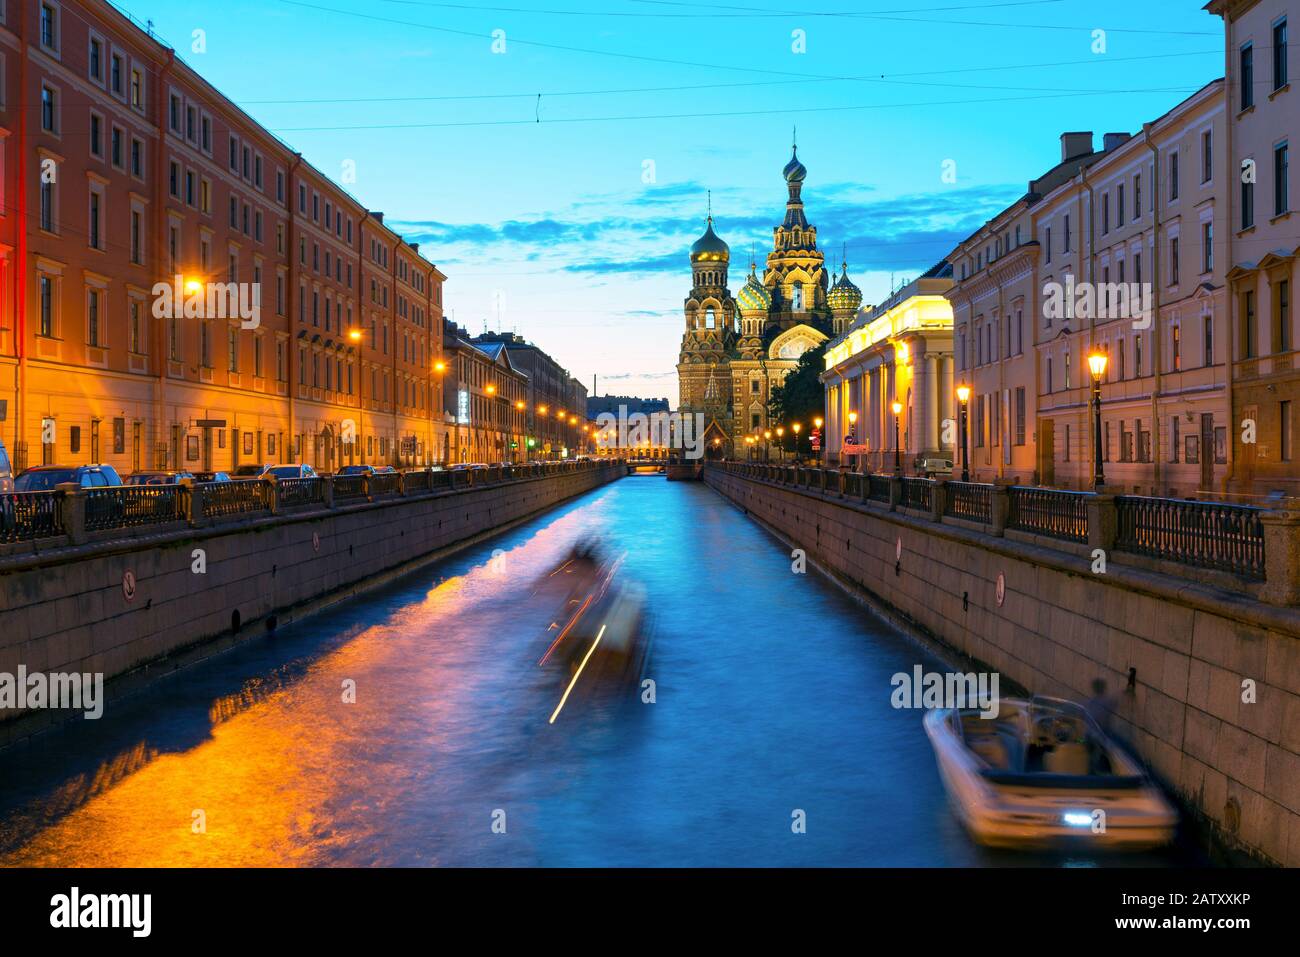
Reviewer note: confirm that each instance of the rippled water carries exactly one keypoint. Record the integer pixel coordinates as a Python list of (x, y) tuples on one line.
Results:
[(772, 696)]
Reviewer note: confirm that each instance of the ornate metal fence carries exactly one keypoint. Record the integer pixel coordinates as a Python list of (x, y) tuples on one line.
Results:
[(28, 516), (1207, 534), (236, 498), (1050, 512), (301, 491), (916, 492), (131, 506), (969, 500)]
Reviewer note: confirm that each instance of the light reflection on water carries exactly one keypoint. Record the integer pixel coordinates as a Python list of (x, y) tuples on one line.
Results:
[(772, 695)]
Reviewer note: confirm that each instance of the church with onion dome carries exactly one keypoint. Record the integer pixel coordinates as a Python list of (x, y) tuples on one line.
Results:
[(737, 349)]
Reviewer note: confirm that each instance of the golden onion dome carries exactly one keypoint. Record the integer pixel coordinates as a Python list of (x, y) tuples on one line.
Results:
[(709, 247), (844, 296)]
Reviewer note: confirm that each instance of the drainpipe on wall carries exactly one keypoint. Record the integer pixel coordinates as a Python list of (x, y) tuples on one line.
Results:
[(20, 264), (160, 234), (1231, 178), (1155, 306), (293, 304), (1084, 370)]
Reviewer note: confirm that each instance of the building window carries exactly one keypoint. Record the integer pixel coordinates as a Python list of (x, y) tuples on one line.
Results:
[(92, 318), (1020, 416), (47, 205), (1248, 324), (96, 204), (1207, 156), (1282, 316), (49, 110), (1173, 175), (1207, 247), (46, 294), (1208, 333), (1173, 261), (115, 74), (137, 337), (1119, 205), (137, 89), (1279, 55), (1284, 424), (1247, 76), (1247, 205), (1177, 349), (49, 27), (1281, 192), (232, 349), (96, 60)]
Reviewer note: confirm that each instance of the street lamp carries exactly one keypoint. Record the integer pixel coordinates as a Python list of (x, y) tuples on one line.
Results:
[(817, 424), (898, 450), (780, 440), (795, 427), (767, 445), (1097, 366), (963, 396), (853, 431)]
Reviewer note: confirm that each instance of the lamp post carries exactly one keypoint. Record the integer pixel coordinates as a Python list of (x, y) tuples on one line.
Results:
[(780, 441), (817, 424), (853, 432), (795, 427), (963, 396), (1097, 366), (767, 445), (898, 451)]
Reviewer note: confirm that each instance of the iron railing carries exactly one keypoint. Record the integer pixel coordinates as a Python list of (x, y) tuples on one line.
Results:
[(132, 506), (1051, 512), (968, 500), (1206, 534), (916, 492), (878, 487), (29, 516), (301, 491), (852, 484), (239, 497), (384, 483), (349, 486)]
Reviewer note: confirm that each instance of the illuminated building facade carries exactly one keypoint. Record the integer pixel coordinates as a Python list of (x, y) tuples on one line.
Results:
[(485, 399), (897, 352), (736, 350), (125, 169)]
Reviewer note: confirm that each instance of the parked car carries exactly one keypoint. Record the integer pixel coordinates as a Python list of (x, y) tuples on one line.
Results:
[(157, 478), (357, 470), (44, 478), (466, 466), (6, 470), (251, 471), (289, 471), (211, 477), (384, 470)]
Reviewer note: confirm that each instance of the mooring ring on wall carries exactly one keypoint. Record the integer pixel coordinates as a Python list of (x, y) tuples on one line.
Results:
[(1001, 590), (315, 541), (898, 549), (128, 585)]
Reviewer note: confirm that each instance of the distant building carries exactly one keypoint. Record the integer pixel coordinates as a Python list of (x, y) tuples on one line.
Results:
[(600, 404), (556, 402), (482, 395)]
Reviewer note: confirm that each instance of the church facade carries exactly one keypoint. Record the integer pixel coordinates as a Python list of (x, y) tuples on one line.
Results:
[(737, 349)]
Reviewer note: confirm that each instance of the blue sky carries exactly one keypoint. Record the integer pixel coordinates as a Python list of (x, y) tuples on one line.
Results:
[(539, 209)]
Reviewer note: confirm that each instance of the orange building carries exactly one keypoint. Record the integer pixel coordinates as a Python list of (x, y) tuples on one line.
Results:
[(178, 288)]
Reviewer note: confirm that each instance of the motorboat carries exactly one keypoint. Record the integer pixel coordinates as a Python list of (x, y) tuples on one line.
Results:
[(598, 645), (1043, 773)]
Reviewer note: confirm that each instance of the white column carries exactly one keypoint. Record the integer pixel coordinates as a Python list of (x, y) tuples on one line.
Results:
[(931, 401)]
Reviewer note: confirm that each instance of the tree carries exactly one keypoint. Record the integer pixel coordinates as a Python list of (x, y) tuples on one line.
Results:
[(801, 398)]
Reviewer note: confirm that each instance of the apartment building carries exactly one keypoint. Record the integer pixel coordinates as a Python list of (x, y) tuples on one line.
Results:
[(485, 398), (556, 401), (179, 288), (1261, 242), (1128, 267)]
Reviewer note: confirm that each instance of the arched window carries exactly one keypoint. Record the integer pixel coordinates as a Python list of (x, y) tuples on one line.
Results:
[(796, 297), (710, 319)]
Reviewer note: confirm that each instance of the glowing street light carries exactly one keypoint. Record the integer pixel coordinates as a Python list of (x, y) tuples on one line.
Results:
[(963, 396), (1097, 366)]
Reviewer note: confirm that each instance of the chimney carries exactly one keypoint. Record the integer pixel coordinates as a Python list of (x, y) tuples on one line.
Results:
[(379, 217), (1074, 145), (1112, 140), (415, 247)]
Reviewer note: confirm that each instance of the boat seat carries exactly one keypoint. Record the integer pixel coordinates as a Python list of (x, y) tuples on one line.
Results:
[(1014, 746), (1070, 758)]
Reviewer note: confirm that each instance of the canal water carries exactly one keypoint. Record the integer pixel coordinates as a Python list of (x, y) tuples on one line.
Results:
[(771, 707)]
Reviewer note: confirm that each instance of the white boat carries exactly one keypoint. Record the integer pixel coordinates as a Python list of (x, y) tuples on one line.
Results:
[(1042, 773)]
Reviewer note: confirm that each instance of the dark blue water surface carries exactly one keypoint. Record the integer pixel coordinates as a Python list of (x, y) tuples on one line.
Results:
[(772, 697)]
